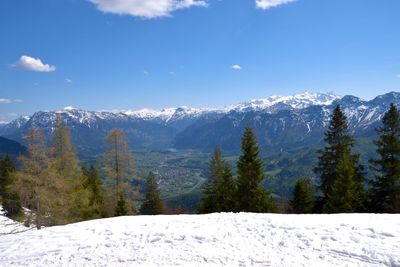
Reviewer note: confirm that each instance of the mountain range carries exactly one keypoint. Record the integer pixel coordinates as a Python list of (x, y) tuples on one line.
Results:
[(280, 122)]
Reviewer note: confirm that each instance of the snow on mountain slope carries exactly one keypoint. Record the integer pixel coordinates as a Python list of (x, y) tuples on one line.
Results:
[(298, 101), (269, 104), (228, 239), (168, 114)]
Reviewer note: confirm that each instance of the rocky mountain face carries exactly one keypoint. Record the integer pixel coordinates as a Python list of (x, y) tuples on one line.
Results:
[(279, 122)]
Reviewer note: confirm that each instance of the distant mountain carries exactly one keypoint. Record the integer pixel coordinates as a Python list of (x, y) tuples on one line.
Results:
[(289, 127), (275, 103), (11, 148), (280, 122)]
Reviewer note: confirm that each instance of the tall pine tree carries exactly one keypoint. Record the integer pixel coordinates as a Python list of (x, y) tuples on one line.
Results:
[(339, 145), (250, 196), (303, 201), (385, 190), (152, 204)]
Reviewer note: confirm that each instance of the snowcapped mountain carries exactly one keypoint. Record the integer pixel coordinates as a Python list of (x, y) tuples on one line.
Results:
[(168, 114), (274, 103), (279, 121), (270, 104)]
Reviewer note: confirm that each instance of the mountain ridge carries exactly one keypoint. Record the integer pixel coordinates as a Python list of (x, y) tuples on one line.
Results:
[(278, 121)]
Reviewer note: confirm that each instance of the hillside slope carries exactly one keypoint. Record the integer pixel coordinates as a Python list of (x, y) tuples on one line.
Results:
[(11, 148), (212, 240)]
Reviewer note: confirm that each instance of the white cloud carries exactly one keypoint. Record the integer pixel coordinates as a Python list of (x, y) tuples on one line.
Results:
[(236, 67), (5, 101), (146, 72), (9, 101), (33, 64), (267, 4), (398, 75), (146, 8), (68, 80)]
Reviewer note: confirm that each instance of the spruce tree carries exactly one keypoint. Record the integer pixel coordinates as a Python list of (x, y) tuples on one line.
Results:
[(219, 190), (152, 204), (342, 197), (225, 190), (6, 168), (96, 198), (339, 145), (122, 207), (303, 201), (250, 196), (208, 201), (385, 190), (10, 200)]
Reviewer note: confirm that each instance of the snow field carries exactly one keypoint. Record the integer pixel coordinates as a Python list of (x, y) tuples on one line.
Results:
[(227, 239)]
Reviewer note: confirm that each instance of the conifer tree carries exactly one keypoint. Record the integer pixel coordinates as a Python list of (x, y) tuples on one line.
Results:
[(152, 204), (96, 198), (40, 187), (341, 196), (339, 145), (226, 190), (66, 164), (6, 168), (219, 190), (251, 197), (385, 190), (122, 207), (120, 166), (208, 202), (10, 200), (62, 151), (303, 201)]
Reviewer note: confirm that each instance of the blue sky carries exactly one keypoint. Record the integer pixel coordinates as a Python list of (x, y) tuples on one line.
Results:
[(130, 54)]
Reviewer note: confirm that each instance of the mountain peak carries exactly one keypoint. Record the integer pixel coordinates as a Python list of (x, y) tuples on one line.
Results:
[(297, 101), (69, 108)]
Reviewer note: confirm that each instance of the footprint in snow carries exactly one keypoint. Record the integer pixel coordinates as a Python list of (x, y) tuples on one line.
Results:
[(155, 239)]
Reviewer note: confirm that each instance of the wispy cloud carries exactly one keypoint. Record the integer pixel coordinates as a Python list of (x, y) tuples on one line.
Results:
[(146, 8), (33, 64), (236, 67), (398, 75), (69, 81), (267, 4), (9, 101)]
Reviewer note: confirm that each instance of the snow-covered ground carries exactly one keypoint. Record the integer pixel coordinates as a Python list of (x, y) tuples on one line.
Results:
[(8, 226), (243, 239)]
